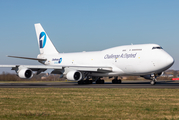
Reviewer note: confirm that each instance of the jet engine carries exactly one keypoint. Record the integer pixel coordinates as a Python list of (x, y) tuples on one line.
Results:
[(74, 75), (25, 73)]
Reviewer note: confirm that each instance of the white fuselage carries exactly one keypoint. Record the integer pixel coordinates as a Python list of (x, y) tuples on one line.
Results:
[(125, 60)]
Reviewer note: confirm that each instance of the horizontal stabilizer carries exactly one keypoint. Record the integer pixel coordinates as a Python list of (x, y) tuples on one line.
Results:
[(39, 59)]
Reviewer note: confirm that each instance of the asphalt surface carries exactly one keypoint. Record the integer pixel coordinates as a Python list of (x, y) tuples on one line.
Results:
[(124, 84)]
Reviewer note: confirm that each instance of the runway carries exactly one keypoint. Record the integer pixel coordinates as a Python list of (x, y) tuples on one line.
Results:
[(124, 84)]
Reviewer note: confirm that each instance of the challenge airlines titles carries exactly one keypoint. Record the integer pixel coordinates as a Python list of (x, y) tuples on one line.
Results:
[(111, 56)]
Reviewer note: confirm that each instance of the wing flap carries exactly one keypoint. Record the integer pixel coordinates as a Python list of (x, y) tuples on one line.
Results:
[(92, 68)]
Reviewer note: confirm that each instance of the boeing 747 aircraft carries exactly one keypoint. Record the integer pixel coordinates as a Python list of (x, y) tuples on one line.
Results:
[(146, 60)]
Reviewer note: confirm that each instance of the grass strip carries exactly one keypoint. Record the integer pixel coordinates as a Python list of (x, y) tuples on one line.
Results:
[(88, 103)]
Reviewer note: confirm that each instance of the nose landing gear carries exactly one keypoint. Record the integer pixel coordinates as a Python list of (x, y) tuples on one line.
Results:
[(153, 81)]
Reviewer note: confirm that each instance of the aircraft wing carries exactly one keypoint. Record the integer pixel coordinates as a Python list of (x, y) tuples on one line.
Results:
[(86, 68), (45, 67)]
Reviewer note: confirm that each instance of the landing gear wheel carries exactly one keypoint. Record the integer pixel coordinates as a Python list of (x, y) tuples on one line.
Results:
[(80, 82), (119, 81), (100, 82), (90, 82), (85, 82), (115, 81), (153, 82)]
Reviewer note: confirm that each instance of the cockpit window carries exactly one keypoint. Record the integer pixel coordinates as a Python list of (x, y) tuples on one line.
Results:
[(157, 48)]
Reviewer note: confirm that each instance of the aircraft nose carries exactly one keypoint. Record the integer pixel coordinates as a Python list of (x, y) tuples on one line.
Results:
[(169, 61)]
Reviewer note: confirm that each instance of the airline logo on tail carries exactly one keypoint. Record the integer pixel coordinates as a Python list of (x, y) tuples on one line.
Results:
[(42, 39)]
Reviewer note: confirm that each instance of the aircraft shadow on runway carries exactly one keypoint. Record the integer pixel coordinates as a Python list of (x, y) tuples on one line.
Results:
[(124, 83)]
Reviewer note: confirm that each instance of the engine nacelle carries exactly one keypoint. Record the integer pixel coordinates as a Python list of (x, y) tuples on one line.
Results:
[(25, 73), (74, 75)]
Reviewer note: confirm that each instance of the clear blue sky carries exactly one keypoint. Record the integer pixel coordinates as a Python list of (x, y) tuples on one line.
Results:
[(87, 25)]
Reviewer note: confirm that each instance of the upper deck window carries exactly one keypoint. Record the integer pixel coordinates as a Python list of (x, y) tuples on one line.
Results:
[(136, 49), (157, 48)]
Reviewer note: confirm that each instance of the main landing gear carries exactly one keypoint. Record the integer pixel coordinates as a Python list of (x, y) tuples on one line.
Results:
[(116, 81), (85, 82), (98, 80)]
